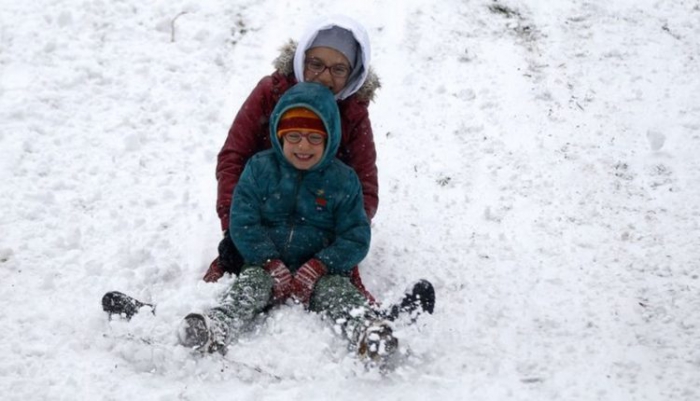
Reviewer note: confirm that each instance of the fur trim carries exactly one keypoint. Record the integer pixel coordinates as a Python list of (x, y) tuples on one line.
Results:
[(284, 63)]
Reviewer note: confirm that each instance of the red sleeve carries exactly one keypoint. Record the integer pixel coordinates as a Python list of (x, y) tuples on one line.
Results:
[(357, 150), (247, 136)]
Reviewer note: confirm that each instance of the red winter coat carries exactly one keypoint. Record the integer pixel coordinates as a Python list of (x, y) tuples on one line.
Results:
[(249, 134)]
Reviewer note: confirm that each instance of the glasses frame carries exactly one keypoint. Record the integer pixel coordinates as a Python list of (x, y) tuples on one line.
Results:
[(318, 70), (307, 136)]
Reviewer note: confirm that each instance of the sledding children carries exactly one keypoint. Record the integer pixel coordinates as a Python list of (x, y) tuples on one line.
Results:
[(298, 221), (334, 52)]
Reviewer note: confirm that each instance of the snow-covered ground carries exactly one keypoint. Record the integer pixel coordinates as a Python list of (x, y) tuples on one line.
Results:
[(538, 163)]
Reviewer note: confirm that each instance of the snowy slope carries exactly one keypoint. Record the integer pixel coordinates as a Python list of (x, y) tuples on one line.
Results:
[(537, 164)]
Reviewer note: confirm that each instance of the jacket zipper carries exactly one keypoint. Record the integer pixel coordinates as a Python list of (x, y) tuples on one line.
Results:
[(300, 176)]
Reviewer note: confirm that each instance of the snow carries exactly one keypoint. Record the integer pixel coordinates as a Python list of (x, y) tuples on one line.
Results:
[(538, 163)]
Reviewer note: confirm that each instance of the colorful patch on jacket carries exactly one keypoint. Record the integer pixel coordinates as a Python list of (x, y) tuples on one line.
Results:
[(321, 202)]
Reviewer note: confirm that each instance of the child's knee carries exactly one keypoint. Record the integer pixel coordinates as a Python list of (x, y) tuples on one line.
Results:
[(254, 277), (334, 291), (334, 282)]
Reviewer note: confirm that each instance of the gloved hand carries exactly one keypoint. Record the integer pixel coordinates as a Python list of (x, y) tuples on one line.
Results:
[(305, 279), (214, 273), (216, 268), (230, 259), (282, 277)]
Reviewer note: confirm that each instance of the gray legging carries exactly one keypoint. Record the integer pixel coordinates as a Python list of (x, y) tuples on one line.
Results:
[(335, 296)]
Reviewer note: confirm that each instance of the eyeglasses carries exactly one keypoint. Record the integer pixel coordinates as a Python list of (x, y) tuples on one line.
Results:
[(313, 138), (317, 67)]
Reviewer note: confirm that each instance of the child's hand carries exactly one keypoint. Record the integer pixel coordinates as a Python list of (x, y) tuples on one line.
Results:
[(305, 279), (214, 273), (283, 279)]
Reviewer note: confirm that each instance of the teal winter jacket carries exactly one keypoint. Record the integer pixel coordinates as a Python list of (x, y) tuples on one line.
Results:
[(279, 212)]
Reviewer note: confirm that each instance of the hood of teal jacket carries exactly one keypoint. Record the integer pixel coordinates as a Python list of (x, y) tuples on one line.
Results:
[(321, 101)]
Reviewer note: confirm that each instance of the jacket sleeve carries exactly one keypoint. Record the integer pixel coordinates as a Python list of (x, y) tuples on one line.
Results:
[(358, 151), (352, 232), (246, 228), (247, 136)]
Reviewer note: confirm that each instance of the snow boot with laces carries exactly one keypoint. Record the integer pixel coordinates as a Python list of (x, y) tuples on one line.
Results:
[(201, 333), (378, 347)]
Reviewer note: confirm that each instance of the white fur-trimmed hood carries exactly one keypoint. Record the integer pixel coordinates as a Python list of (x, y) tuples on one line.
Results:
[(284, 63)]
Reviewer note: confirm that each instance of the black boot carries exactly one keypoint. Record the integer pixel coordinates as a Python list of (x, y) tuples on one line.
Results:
[(419, 300), (200, 333), (117, 303)]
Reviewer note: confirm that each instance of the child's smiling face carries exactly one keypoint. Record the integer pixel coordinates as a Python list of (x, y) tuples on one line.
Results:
[(303, 155)]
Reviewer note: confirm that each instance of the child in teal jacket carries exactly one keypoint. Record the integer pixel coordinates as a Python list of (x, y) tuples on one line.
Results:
[(296, 201), (298, 221)]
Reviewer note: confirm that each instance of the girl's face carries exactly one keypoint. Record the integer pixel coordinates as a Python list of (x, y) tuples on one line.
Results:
[(303, 155), (332, 62)]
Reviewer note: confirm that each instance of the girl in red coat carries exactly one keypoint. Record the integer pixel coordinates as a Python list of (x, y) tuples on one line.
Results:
[(335, 52)]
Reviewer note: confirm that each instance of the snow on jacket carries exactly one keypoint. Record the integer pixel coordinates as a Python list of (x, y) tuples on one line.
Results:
[(249, 132), (279, 212)]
